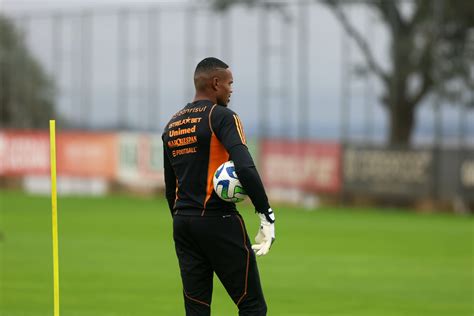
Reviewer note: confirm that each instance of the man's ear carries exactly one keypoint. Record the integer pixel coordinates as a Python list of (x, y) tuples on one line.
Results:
[(215, 83)]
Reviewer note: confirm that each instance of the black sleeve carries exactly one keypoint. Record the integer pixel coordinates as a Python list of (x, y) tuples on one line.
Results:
[(228, 129), (170, 180), (250, 179)]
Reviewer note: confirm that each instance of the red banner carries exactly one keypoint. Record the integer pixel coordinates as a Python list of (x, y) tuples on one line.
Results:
[(87, 154), (24, 152), (308, 166), (78, 153)]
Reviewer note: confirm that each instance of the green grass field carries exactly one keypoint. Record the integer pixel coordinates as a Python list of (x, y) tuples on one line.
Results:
[(117, 258)]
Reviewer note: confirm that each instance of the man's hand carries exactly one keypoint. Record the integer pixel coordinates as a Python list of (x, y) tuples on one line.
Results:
[(266, 234)]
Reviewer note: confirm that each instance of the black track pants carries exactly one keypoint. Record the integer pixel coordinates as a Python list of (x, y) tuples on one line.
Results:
[(219, 244)]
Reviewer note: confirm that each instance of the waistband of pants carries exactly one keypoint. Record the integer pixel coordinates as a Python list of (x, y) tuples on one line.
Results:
[(206, 213)]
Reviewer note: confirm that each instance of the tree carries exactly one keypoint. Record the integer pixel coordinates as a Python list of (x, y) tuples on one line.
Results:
[(26, 93), (431, 48)]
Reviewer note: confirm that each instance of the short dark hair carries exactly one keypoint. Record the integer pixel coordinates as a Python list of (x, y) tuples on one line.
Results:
[(209, 64)]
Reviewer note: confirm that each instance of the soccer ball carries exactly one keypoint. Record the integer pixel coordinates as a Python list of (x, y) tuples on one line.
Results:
[(227, 185)]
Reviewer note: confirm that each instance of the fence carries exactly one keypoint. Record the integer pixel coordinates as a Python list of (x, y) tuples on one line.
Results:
[(130, 68)]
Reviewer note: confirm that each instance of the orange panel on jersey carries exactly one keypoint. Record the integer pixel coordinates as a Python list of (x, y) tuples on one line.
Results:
[(217, 156)]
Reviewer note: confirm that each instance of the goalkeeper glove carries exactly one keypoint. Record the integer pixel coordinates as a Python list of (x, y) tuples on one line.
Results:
[(266, 234)]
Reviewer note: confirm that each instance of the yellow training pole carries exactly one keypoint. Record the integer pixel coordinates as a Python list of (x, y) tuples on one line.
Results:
[(54, 202)]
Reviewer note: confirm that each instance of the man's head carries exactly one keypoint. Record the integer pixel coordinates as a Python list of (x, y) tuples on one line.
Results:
[(213, 79)]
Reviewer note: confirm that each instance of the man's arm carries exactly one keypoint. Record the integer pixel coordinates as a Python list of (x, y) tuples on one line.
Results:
[(250, 179), (170, 180), (228, 129)]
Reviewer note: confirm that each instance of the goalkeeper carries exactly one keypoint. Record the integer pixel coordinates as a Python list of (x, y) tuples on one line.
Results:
[(209, 234)]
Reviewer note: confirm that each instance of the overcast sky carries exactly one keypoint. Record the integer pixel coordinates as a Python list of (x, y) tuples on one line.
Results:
[(47, 4), (178, 58)]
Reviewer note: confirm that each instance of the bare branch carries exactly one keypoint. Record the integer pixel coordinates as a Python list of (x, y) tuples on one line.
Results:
[(424, 89), (422, 11), (424, 65), (361, 42), (391, 14)]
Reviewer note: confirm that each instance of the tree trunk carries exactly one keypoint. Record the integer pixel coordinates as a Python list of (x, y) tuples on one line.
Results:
[(402, 123), (400, 109)]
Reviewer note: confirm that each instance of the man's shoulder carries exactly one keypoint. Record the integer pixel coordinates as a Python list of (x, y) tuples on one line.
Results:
[(223, 111)]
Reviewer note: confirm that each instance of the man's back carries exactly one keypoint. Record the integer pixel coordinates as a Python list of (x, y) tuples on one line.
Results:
[(192, 143)]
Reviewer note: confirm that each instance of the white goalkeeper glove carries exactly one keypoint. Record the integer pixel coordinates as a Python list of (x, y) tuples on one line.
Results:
[(266, 234)]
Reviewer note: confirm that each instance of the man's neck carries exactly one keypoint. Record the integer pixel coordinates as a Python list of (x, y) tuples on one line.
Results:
[(202, 97)]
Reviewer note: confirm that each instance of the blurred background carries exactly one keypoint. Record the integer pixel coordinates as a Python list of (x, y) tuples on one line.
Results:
[(339, 98), (355, 105)]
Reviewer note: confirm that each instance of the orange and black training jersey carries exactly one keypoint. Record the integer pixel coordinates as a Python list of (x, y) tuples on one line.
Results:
[(196, 141)]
